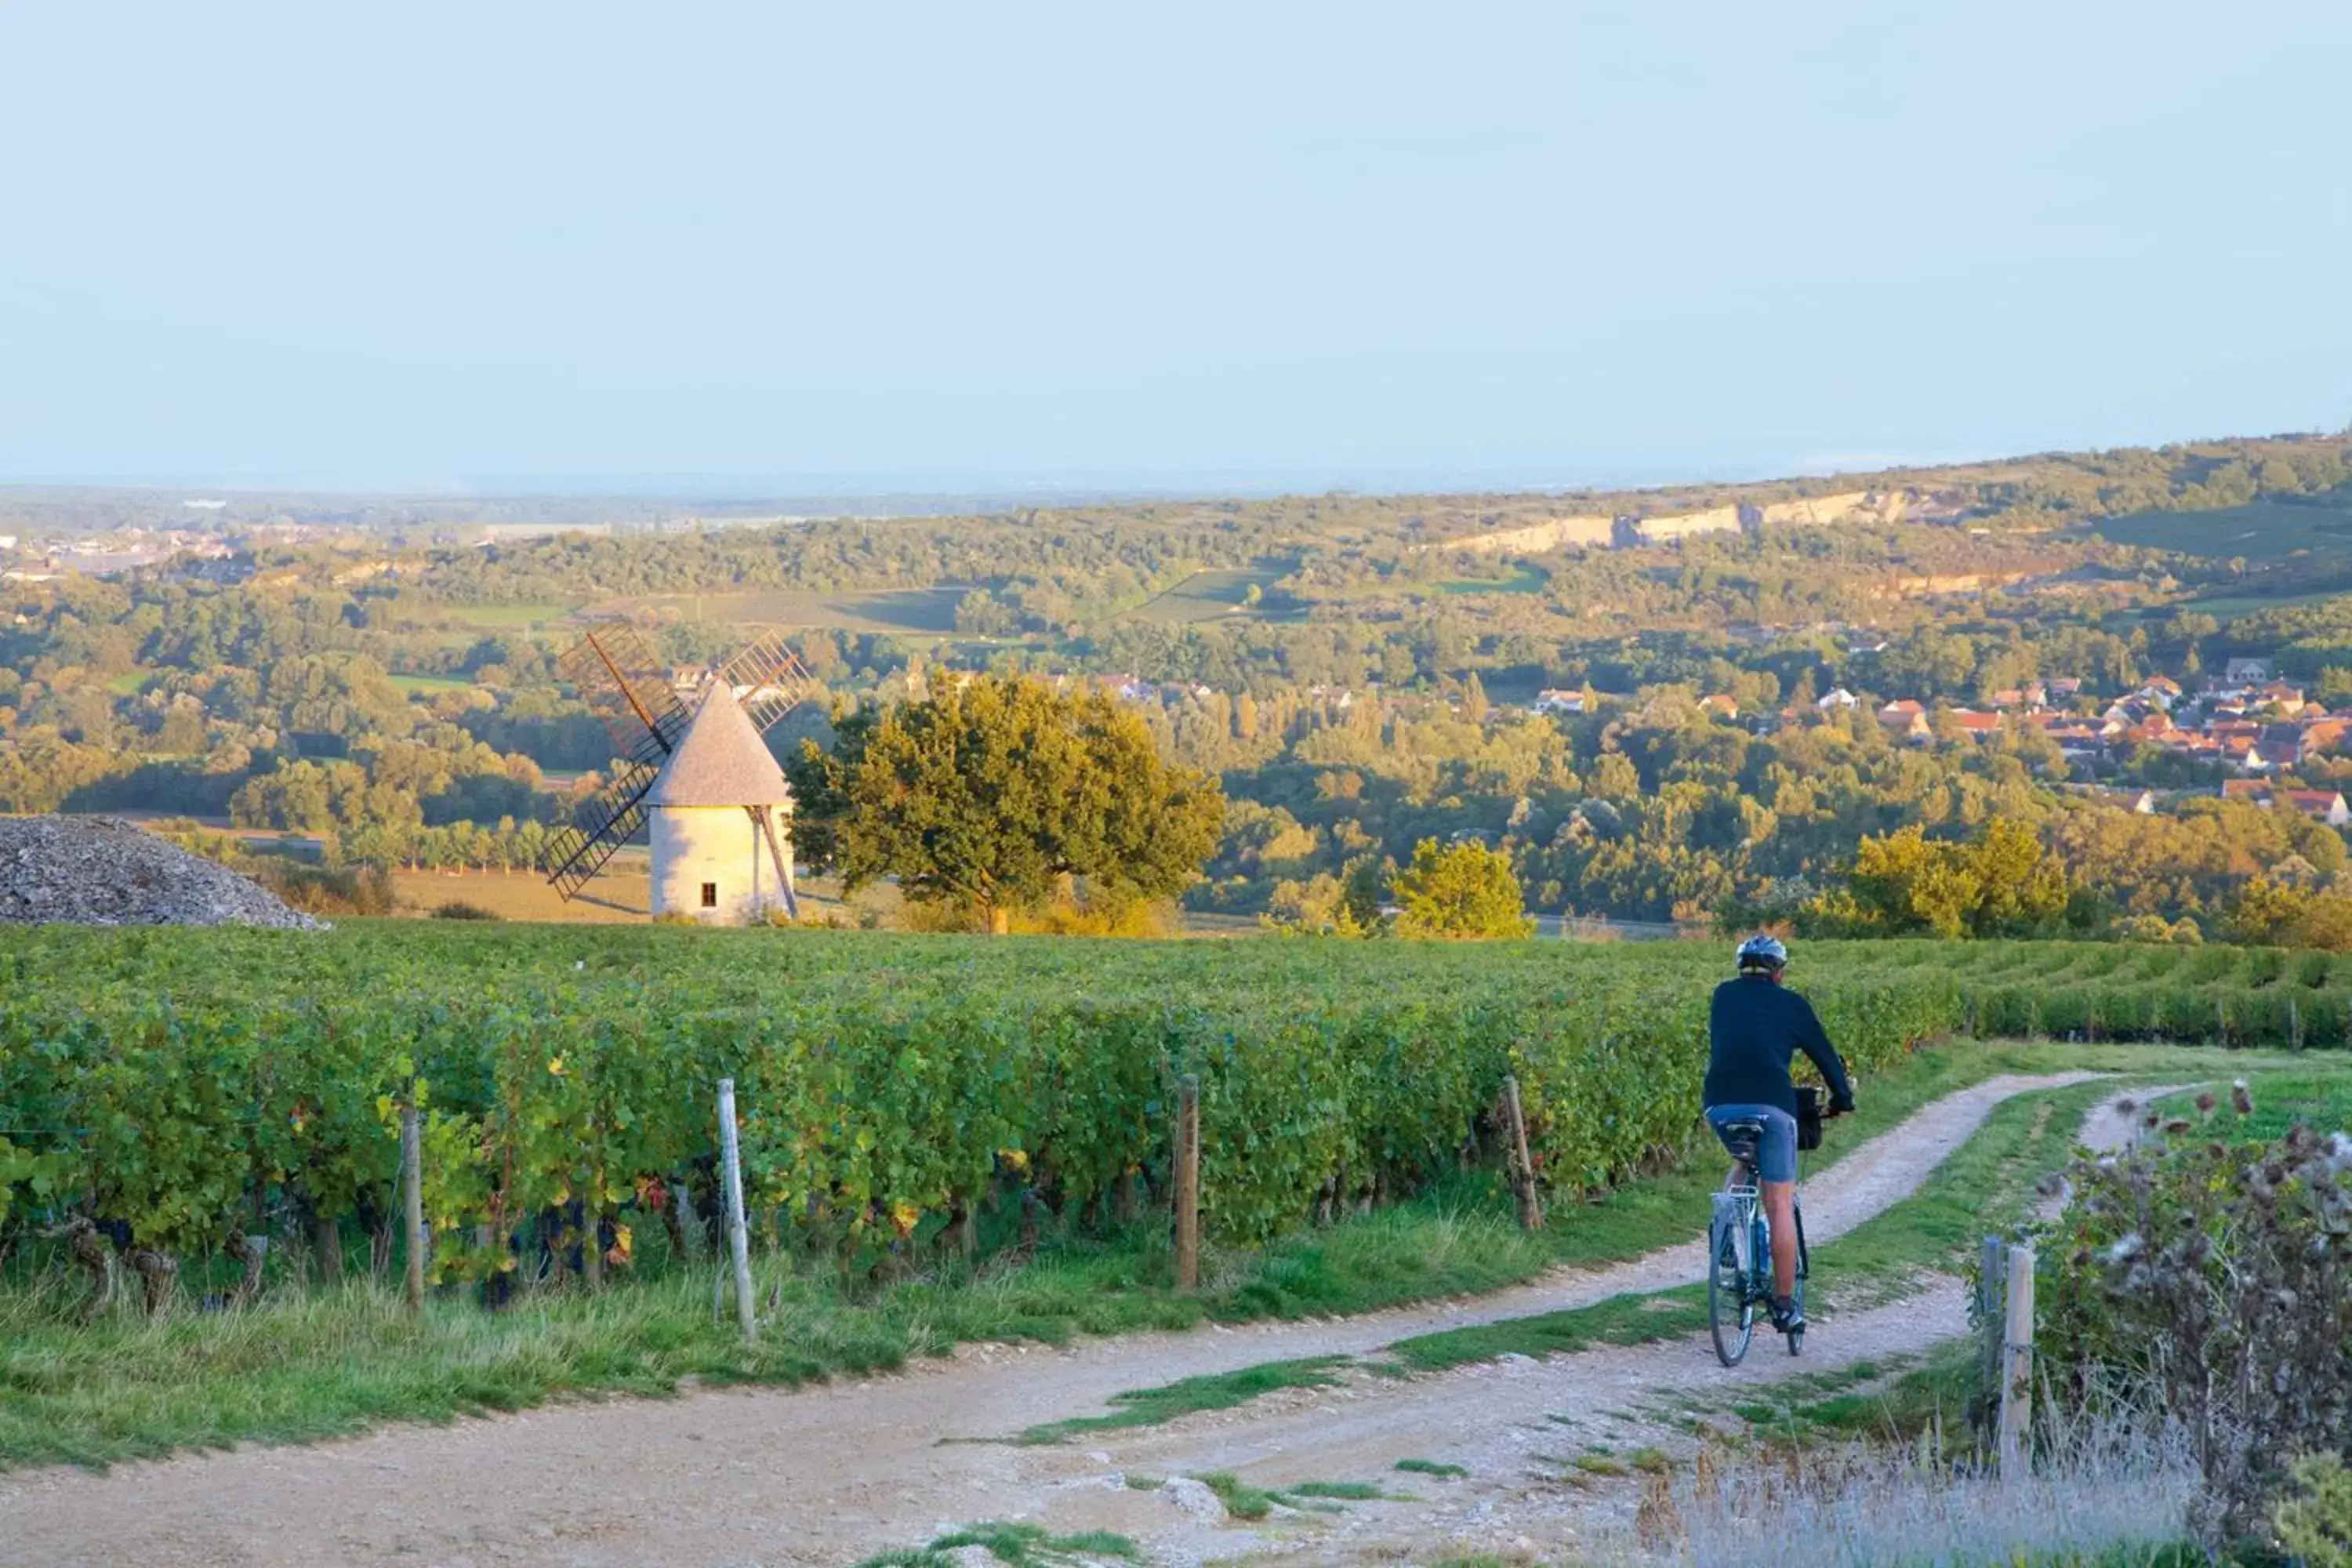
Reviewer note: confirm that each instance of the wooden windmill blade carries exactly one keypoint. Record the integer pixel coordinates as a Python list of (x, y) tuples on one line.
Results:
[(599, 827), (615, 675), (771, 680)]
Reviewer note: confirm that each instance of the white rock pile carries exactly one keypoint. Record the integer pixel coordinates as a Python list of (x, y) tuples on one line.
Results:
[(101, 870)]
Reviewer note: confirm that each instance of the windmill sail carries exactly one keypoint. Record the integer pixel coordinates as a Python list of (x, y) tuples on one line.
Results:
[(600, 826), (769, 680), (616, 676)]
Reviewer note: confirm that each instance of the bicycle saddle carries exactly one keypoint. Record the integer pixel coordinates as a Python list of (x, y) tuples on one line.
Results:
[(1742, 1138)]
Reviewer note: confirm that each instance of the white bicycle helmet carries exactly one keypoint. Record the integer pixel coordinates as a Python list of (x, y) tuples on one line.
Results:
[(1763, 952)]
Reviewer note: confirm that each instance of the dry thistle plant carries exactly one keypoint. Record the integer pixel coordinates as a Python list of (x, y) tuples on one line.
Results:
[(2213, 1281)]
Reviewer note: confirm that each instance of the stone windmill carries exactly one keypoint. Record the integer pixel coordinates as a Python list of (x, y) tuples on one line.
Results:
[(718, 809)]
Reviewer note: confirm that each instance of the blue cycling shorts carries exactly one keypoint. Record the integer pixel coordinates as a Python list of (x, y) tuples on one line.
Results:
[(1776, 1151)]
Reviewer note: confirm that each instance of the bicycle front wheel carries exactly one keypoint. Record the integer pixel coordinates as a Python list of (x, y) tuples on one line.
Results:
[(1730, 1310)]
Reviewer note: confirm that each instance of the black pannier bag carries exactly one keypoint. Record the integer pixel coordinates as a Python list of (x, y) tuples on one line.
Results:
[(1809, 1116)]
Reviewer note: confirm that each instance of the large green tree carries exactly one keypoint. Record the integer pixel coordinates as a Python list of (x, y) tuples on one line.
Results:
[(2001, 882), (1466, 891), (987, 796)]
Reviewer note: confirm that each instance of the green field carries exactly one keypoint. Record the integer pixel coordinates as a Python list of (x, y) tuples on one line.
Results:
[(428, 684), (1208, 596), (2264, 531), (1523, 580), (922, 610), (506, 617), (131, 682)]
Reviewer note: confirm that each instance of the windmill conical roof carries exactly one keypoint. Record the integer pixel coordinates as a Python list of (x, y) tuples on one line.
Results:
[(720, 761)]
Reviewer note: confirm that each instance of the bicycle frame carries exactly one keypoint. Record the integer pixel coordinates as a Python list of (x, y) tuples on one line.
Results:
[(1739, 1262)]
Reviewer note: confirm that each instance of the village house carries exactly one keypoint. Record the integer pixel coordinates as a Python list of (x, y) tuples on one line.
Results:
[(2278, 694), (1905, 720), (1552, 700), (2320, 805), (2245, 672)]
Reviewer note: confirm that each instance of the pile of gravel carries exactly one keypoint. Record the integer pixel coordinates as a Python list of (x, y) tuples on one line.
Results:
[(101, 870)]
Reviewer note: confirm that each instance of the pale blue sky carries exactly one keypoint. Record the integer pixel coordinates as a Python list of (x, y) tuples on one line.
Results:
[(415, 244)]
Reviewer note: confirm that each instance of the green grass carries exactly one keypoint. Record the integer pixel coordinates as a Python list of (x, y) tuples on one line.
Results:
[(1522, 580), (505, 617), (1242, 1502), (1432, 1467), (426, 685), (1223, 1391), (305, 1365), (2226, 606), (2321, 1101), (2263, 531), (1015, 1545), (1207, 596), (131, 682), (1337, 1491), (899, 610)]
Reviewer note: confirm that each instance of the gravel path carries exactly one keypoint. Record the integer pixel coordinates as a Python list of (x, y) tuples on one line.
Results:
[(828, 1474)]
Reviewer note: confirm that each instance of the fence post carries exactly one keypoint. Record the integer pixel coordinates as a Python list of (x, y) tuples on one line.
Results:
[(1990, 1281), (2293, 1025), (1523, 1167), (412, 1196), (2017, 1366), (738, 1239), (591, 1233), (1187, 1183)]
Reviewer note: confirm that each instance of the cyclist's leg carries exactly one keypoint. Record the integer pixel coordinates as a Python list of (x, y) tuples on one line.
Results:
[(1781, 1211), (1776, 1160)]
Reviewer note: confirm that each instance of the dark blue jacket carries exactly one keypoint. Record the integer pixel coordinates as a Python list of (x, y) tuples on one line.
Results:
[(1754, 1029)]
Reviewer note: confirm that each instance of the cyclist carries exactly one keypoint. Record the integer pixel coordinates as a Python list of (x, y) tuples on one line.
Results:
[(1754, 1028)]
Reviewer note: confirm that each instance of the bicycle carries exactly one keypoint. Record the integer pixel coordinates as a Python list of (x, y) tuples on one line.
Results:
[(1739, 1251)]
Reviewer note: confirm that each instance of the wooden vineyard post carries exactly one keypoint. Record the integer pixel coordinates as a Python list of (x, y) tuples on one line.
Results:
[(1523, 1166), (1187, 1183), (412, 1200), (2293, 1025), (738, 1239), (1990, 1316), (592, 1236), (2017, 1366)]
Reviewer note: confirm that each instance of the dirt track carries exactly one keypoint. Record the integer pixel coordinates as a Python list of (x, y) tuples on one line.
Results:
[(830, 1474)]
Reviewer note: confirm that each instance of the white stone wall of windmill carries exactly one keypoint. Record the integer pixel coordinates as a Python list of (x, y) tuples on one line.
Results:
[(701, 783)]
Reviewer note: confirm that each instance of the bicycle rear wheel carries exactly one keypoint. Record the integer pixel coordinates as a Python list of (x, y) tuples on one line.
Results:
[(1730, 1309)]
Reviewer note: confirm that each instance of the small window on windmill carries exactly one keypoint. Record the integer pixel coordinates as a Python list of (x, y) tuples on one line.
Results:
[(709, 895)]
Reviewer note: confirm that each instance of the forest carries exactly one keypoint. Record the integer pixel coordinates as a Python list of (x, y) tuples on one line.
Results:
[(1639, 725)]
